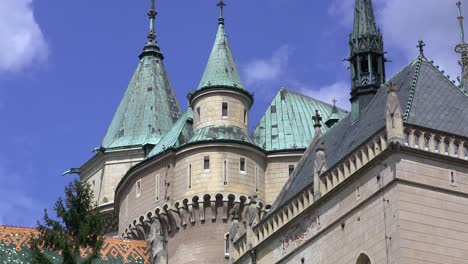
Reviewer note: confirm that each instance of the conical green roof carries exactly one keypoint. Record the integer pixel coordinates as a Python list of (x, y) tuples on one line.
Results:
[(149, 107), (221, 69)]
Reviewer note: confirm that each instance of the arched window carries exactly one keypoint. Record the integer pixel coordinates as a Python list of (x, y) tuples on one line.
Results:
[(363, 259)]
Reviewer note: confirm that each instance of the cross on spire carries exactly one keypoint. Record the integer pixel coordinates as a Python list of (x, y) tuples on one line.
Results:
[(334, 101), (221, 6), (152, 16), (421, 46)]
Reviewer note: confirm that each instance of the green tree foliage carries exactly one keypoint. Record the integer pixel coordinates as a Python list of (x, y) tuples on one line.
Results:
[(80, 225)]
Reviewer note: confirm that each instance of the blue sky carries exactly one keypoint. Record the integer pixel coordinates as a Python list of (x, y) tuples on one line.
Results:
[(64, 67)]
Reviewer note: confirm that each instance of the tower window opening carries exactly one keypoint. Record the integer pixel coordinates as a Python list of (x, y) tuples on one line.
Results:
[(198, 114), (189, 176), (242, 165), (256, 179), (225, 173), (156, 188), (226, 245), (225, 109), (291, 170), (245, 116), (206, 163), (138, 188)]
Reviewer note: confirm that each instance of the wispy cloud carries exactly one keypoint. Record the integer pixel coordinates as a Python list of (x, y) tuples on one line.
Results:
[(22, 42), (267, 69)]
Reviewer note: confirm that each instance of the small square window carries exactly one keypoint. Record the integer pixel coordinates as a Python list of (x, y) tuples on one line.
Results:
[(242, 165), (291, 169), (206, 163), (138, 188), (225, 109)]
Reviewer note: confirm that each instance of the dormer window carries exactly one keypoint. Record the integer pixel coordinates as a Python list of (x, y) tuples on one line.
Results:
[(225, 109)]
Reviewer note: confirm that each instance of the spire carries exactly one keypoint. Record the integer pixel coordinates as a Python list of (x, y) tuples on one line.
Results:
[(152, 47), (334, 117), (221, 6), (364, 19), (149, 107), (366, 58), (221, 70), (462, 49)]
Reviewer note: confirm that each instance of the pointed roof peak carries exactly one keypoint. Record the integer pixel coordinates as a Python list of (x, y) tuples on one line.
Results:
[(221, 70), (364, 19), (221, 6), (152, 47)]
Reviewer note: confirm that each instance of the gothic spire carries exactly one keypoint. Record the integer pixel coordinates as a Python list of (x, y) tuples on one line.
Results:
[(462, 49), (366, 58), (221, 70)]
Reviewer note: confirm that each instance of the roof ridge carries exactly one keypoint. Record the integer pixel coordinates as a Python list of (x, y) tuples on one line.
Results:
[(409, 104), (312, 98)]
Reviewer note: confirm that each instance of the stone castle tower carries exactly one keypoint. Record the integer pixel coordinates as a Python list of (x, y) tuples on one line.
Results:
[(307, 181)]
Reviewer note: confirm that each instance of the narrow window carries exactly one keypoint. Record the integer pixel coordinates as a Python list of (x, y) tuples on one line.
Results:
[(226, 245), (206, 163), (242, 165), (225, 110), (453, 182), (198, 114), (291, 170), (156, 188), (138, 188), (225, 173), (358, 192), (189, 173), (256, 178), (245, 116)]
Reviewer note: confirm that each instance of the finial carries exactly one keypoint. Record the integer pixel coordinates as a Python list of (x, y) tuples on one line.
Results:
[(152, 16), (221, 6), (460, 21), (334, 101), (421, 46), (392, 88), (317, 119)]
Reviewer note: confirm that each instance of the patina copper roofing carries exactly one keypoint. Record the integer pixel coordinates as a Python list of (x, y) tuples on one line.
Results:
[(149, 107), (287, 123), (15, 248)]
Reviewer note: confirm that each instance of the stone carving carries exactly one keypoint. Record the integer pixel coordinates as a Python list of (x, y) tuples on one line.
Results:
[(298, 234), (394, 117), (157, 242)]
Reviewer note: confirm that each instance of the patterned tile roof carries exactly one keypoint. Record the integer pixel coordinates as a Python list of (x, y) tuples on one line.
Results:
[(287, 122), (431, 100), (149, 107), (15, 248)]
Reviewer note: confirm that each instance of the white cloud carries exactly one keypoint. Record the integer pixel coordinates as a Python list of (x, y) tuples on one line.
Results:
[(267, 70), (338, 90), (22, 42)]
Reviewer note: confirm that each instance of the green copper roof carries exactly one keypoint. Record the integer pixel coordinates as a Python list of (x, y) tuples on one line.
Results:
[(231, 133), (179, 134), (364, 19), (221, 69), (149, 107), (288, 124)]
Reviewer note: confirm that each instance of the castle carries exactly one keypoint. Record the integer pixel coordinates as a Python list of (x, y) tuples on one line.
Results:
[(385, 183)]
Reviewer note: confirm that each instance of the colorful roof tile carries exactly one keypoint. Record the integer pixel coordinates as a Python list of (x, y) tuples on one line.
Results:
[(288, 124), (15, 248)]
